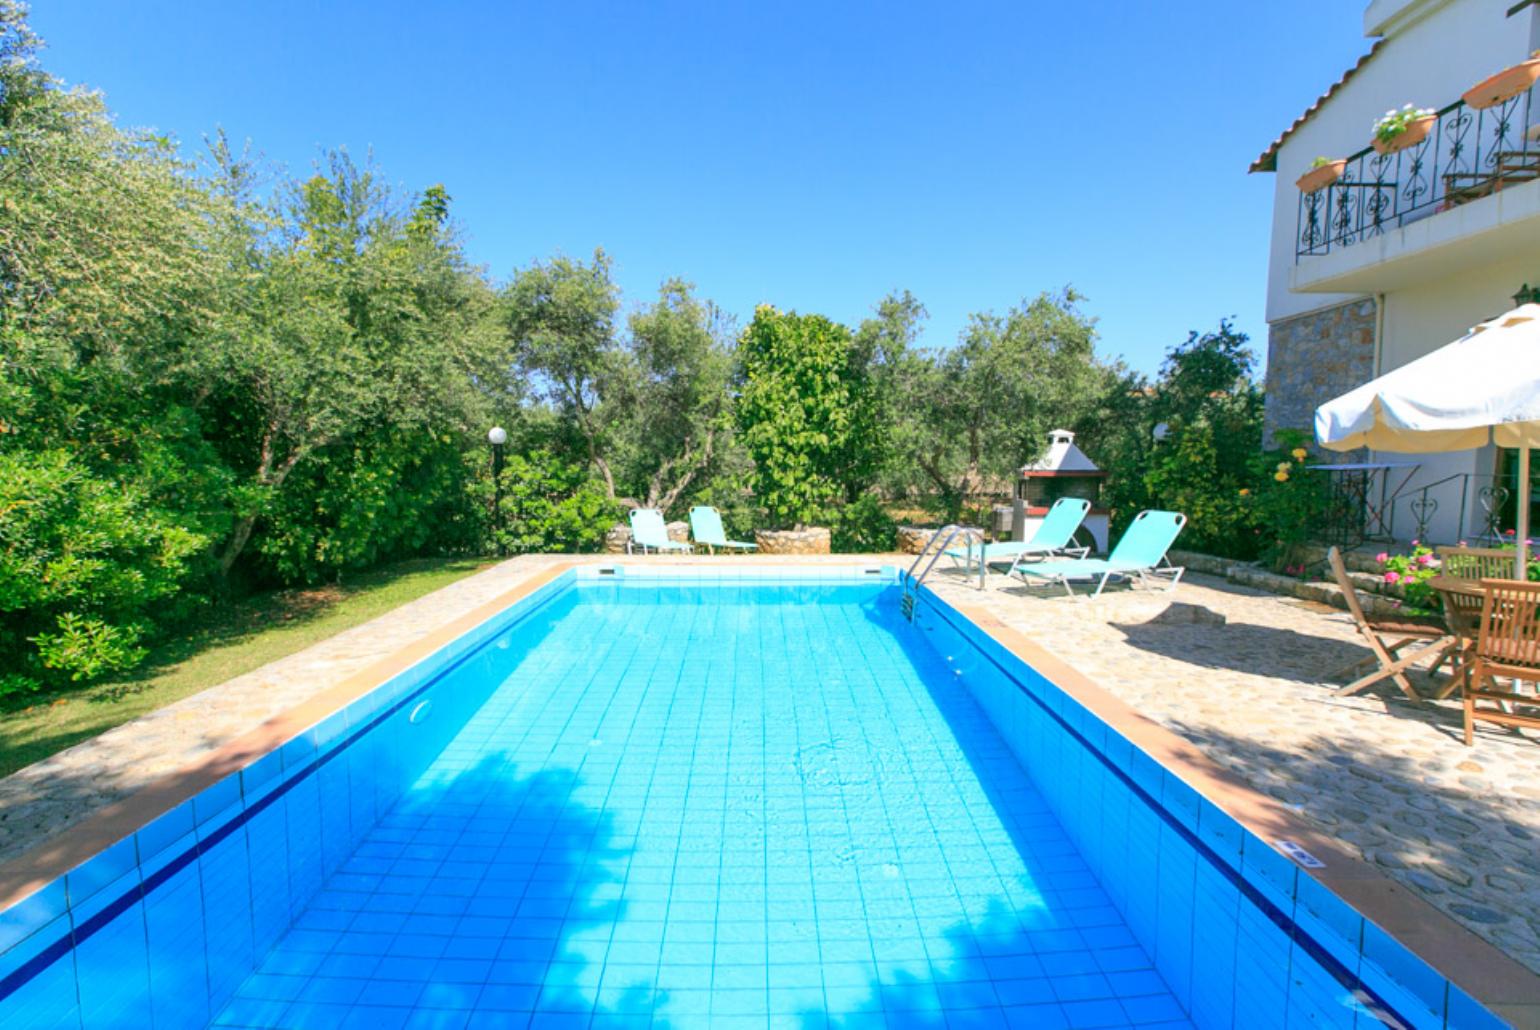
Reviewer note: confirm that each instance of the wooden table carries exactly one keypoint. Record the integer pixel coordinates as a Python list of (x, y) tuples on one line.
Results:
[(1462, 599)]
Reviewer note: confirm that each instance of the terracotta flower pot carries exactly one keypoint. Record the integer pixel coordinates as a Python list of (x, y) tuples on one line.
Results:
[(1413, 134), (1508, 83), (1321, 176)]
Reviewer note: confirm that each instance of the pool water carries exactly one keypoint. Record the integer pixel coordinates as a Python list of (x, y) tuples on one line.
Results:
[(720, 805), (725, 798)]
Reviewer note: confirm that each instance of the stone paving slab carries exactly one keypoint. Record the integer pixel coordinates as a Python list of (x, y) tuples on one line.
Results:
[(1234, 670)]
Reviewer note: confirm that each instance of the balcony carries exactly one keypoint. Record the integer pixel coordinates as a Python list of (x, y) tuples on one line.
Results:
[(1391, 220)]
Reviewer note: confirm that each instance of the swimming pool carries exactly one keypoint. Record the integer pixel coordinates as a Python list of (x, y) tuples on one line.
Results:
[(722, 800)]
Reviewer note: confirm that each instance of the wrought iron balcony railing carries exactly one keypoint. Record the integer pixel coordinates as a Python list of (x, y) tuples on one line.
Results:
[(1469, 154)]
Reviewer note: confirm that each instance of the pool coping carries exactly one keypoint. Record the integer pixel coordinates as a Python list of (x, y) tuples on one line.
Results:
[(1500, 983)]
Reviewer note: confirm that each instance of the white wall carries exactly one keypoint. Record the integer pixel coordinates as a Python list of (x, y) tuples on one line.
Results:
[(1429, 63), (1420, 320)]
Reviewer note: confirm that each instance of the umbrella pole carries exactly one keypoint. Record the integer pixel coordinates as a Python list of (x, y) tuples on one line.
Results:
[(1521, 531)]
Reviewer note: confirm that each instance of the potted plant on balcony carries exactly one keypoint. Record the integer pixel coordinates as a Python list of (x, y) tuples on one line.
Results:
[(1323, 172), (1407, 127), (1505, 85)]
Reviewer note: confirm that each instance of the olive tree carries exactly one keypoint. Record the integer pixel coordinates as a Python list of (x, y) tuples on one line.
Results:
[(357, 318), (652, 406), (980, 409), (672, 385)]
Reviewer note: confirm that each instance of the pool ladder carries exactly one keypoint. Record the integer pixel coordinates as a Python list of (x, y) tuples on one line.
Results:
[(939, 541)]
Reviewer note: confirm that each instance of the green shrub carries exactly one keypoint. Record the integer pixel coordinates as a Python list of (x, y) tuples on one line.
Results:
[(801, 410), (386, 496), (549, 506), (1209, 413), (1287, 501), (864, 527), (86, 648), (86, 566), (1188, 473)]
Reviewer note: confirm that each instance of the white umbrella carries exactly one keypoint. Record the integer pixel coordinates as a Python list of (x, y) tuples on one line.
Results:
[(1483, 386)]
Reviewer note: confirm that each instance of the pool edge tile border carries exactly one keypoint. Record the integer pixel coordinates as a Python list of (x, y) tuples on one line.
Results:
[(1498, 981)]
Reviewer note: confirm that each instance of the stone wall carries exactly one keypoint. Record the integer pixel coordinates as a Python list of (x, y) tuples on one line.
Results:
[(1314, 357), (814, 540), (912, 539)]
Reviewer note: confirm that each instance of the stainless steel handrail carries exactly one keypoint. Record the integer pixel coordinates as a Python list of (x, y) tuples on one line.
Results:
[(945, 535)]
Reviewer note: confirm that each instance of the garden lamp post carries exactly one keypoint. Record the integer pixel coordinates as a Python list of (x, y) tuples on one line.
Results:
[(497, 436)]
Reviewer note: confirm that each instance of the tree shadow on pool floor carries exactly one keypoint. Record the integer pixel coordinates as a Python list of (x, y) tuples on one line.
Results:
[(484, 891)]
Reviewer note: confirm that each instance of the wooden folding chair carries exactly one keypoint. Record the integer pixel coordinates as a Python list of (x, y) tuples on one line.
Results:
[(1462, 610), (1507, 644), (1386, 640), (1475, 562)]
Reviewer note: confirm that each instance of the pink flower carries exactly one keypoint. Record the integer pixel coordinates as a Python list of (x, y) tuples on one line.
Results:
[(1392, 577), (1462, 543), (1416, 543), (1382, 557), (1508, 532), (1424, 559)]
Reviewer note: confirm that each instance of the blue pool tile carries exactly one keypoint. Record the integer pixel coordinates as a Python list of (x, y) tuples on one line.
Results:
[(107, 869), (261, 777), (165, 837), (1466, 1013), (177, 952), (1329, 920), (1220, 831), (436, 1019), (1094, 1013), (1271, 872), (217, 804), (1416, 989), (1036, 1017), (1181, 801), (34, 912), (1148, 774), (271, 905), (298, 754), (113, 973), (330, 732), (48, 997), (225, 874)]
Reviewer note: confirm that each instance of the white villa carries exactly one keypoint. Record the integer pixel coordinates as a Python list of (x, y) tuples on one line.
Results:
[(1405, 251)]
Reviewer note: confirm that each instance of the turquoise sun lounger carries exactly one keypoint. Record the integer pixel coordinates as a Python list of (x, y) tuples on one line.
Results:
[(650, 534), (1053, 537), (1141, 554), (706, 528)]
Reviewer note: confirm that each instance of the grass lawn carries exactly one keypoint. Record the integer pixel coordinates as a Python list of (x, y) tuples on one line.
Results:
[(231, 640)]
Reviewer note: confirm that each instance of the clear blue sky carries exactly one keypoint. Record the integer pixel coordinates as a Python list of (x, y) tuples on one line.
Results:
[(810, 155)]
